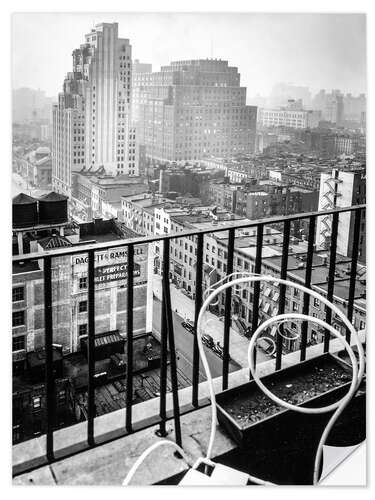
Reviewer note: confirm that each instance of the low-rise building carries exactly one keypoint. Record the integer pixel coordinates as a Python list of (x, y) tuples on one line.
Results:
[(70, 284), (183, 257), (35, 167), (188, 179), (340, 188), (138, 211), (96, 190), (264, 198), (286, 117)]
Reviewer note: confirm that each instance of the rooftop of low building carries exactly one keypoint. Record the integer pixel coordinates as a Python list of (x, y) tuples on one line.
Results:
[(104, 230)]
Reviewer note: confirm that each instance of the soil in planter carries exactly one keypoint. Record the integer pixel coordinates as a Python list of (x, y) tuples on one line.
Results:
[(254, 407)]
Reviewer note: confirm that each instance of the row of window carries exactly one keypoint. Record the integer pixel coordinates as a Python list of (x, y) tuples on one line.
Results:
[(18, 293), (19, 317), (19, 342)]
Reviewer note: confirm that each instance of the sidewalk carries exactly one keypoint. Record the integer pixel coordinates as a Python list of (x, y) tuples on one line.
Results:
[(238, 345)]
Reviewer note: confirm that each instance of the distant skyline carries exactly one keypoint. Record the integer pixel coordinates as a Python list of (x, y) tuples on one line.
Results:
[(313, 50)]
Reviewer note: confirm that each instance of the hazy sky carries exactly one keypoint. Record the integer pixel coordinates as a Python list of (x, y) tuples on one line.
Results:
[(316, 50)]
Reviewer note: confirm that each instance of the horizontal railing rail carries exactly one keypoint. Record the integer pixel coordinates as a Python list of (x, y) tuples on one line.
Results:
[(167, 340)]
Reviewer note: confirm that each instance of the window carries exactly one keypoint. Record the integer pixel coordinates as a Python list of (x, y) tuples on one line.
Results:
[(295, 306), (82, 306), (18, 318), (61, 396), (83, 282), (82, 329), (18, 293), (37, 402), (18, 343), (37, 427), (316, 302), (16, 433)]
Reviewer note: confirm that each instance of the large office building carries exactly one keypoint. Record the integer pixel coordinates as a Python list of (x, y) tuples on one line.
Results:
[(137, 96), (291, 116), (331, 105), (91, 121), (191, 110)]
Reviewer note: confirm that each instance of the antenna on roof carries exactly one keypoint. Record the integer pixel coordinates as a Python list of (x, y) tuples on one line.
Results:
[(212, 48)]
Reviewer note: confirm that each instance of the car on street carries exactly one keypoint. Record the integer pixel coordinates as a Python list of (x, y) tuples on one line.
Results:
[(267, 345), (188, 326)]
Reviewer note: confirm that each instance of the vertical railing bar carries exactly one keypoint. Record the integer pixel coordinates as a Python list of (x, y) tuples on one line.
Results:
[(306, 296), (129, 338), (198, 305), (353, 269), (91, 348), (48, 341), (283, 275), (172, 350), (331, 277), (227, 317), (257, 270), (163, 346)]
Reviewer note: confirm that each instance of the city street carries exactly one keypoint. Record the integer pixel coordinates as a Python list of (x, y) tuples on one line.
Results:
[(238, 345), (18, 185), (184, 345)]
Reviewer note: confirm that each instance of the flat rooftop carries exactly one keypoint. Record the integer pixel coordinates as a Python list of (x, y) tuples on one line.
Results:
[(100, 238), (104, 230), (206, 222)]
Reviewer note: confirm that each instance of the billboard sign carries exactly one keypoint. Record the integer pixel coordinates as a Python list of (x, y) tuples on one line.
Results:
[(105, 274)]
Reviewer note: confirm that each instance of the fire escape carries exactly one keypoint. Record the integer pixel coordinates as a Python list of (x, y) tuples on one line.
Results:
[(329, 202)]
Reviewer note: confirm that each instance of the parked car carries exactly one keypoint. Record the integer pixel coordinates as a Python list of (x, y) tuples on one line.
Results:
[(188, 326), (267, 346), (208, 341), (218, 349)]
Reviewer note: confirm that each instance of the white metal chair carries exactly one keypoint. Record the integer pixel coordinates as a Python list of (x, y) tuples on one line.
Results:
[(226, 475)]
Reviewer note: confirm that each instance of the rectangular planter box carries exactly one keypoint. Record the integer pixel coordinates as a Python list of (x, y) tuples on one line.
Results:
[(247, 398)]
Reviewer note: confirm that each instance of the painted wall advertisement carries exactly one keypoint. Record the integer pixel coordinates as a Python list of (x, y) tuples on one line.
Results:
[(111, 265)]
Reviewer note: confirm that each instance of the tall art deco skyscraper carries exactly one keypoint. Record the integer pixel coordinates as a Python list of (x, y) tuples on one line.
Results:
[(91, 121)]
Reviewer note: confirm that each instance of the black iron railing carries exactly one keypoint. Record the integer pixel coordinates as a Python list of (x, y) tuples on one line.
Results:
[(167, 329)]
